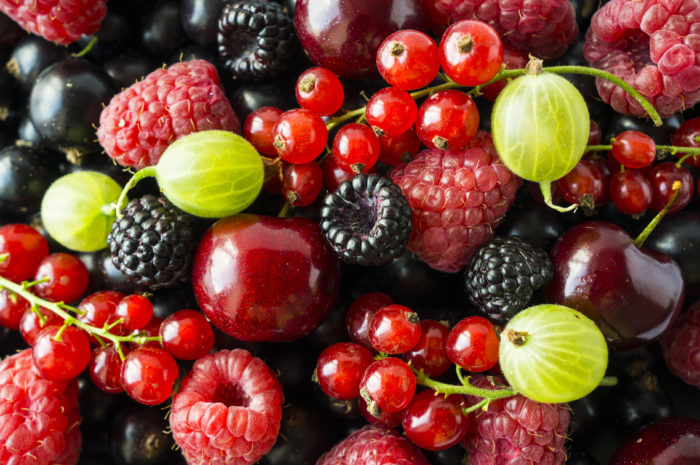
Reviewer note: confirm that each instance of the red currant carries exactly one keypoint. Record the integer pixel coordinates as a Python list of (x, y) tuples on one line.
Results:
[(21, 249), (398, 149), (152, 329), (258, 129), (394, 329), (379, 418), (471, 52), (187, 335), (513, 59), (595, 135), (583, 185), (334, 175), (12, 307), (319, 90), (31, 324), (433, 421), (430, 354), (63, 358), (391, 111), (661, 177), (299, 136), (388, 385), (106, 367), (630, 192), (447, 119), (356, 148), (408, 59), (148, 375), (360, 315), (135, 310), (99, 309), (302, 183), (340, 368), (473, 344), (634, 149), (687, 136), (68, 278)]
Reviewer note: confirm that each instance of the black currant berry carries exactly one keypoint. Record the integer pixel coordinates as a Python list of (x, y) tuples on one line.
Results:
[(31, 56)]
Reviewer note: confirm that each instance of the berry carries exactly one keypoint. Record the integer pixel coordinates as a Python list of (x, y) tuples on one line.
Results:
[(356, 148), (61, 357), (258, 128), (433, 421), (687, 136), (398, 149), (516, 430), (373, 446), (584, 185), (512, 59), (662, 176), (106, 368), (447, 119), (634, 149), (255, 39), (30, 324), (473, 344), (302, 183), (503, 275), (391, 111), (340, 368), (387, 385), (319, 90), (67, 275), (99, 309), (457, 198), (148, 375), (471, 52), (59, 21), (630, 192), (408, 59), (643, 43), (378, 418), (186, 335), (135, 310), (367, 221), (394, 329), (152, 329), (228, 409), (299, 136), (22, 248), (140, 122), (360, 314), (681, 349), (47, 431), (152, 243), (12, 307), (430, 353)]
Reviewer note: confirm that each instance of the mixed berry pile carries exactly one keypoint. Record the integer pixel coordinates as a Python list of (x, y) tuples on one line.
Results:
[(349, 232)]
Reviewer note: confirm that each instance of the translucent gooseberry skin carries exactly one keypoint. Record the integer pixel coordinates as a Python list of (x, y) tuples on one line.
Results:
[(540, 126)]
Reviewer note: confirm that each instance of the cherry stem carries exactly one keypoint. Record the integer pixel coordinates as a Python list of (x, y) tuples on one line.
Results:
[(61, 309), (546, 188), (147, 172), (676, 188)]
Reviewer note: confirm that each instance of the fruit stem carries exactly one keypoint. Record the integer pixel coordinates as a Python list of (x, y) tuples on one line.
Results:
[(546, 188), (608, 381), (87, 48), (147, 172), (466, 388), (639, 241), (517, 338), (672, 149), (59, 308)]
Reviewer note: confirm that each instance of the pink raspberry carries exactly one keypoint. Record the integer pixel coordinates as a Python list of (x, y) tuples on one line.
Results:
[(457, 198), (140, 122), (373, 446), (60, 21), (681, 346), (544, 28), (39, 418), (654, 46), (228, 411), (516, 431)]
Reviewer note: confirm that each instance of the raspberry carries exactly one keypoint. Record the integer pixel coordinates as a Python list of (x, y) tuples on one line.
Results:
[(228, 411), (544, 28), (373, 446), (140, 122), (60, 21), (457, 198), (653, 46), (39, 419), (681, 346), (516, 430)]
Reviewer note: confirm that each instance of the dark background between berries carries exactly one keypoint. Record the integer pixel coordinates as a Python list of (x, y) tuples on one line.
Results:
[(136, 37)]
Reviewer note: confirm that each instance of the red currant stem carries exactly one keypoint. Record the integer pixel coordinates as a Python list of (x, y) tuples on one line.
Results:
[(333, 122), (688, 154), (639, 241), (35, 309), (147, 172), (546, 188), (101, 341), (113, 324), (4, 257), (481, 404), (596, 148), (622, 168), (466, 388), (673, 149), (697, 138), (28, 284), (87, 48), (66, 324), (284, 211)]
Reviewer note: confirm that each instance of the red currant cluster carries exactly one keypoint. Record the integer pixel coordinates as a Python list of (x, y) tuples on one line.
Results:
[(391, 127), (385, 385), (629, 177), (114, 335)]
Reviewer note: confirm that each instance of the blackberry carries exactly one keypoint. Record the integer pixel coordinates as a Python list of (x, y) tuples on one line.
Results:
[(503, 275), (255, 39), (367, 221), (152, 243)]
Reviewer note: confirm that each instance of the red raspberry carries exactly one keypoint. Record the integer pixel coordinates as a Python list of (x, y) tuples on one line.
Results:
[(373, 446), (516, 430), (652, 45), (457, 198), (544, 28), (681, 346), (39, 419), (140, 122), (60, 21), (228, 410)]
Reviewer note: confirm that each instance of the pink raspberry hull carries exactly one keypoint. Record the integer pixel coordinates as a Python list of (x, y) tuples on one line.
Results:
[(652, 45), (228, 411), (60, 21), (39, 418), (681, 346), (140, 122), (457, 198)]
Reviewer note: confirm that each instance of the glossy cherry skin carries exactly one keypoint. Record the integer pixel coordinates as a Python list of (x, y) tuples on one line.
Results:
[(632, 294), (344, 35), (263, 278), (671, 441)]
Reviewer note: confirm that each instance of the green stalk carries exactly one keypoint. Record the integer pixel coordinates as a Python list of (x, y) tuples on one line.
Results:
[(639, 241), (466, 388), (147, 172)]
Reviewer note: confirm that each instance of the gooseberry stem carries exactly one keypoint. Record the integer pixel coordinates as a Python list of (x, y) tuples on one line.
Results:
[(546, 188), (639, 241), (147, 172)]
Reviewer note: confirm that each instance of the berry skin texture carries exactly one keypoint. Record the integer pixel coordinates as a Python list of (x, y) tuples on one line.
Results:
[(394, 330), (356, 148), (686, 136), (650, 45), (187, 335), (373, 446), (681, 347), (258, 127), (388, 385), (47, 432), (23, 248), (68, 278), (634, 149), (473, 344), (433, 421), (299, 136), (61, 359), (408, 59), (391, 111), (457, 198), (60, 21), (148, 375), (360, 315), (319, 90), (471, 52), (340, 368), (447, 119), (143, 120), (228, 410), (429, 354)]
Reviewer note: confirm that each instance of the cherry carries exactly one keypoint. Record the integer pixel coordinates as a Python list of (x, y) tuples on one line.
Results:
[(398, 149), (473, 344), (105, 368), (430, 354), (135, 310), (299, 136), (583, 185), (148, 375), (634, 149), (12, 307), (61, 357), (687, 136), (669, 441), (21, 250), (388, 385), (258, 129), (361, 313), (630, 191), (186, 335), (67, 275), (30, 324), (471, 52), (356, 148), (433, 421), (340, 368), (319, 90), (662, 177), (302, 183), (391, 111), (408, 59), (394, 329), (447, 119)]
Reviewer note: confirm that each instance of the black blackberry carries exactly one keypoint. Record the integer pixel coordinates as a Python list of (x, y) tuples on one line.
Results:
[(504, 273), (152, 243), (367, 220), (255, 38)]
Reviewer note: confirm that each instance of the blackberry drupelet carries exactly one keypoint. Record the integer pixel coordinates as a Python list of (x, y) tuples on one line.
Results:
[(367, 221), (152, 243), (503, 275), (255, 39)]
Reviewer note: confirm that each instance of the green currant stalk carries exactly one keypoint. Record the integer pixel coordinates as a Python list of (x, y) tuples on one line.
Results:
[(61, 309), (672, 149), (676, 188)]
